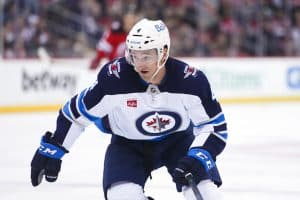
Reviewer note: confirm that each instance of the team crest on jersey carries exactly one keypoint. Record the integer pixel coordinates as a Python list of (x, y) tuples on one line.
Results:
[(189, 71), (114, 69), (158, 123)]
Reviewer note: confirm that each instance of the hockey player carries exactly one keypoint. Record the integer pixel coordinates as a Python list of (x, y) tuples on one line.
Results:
[(112, 43), (160, 112)]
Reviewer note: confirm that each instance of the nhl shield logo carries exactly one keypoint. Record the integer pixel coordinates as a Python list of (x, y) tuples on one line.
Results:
[(158, 123)]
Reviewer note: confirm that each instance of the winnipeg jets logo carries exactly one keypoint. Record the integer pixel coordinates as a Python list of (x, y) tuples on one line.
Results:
[(189, 70), (158, 123), (114, 69)]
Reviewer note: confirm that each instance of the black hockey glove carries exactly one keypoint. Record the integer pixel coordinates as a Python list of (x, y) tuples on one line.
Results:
[(46, 160), (199, 163)]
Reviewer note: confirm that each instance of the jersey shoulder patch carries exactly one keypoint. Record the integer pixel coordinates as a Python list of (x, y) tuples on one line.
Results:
[(114, 68), (182, 69), (191, 80), (117, 77), (189, 71)]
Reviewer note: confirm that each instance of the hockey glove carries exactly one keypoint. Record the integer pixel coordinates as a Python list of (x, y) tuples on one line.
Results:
[(199, 163), (46, 160)]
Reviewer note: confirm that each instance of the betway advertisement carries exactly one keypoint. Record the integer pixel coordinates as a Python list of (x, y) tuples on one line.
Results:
[(29, 83)]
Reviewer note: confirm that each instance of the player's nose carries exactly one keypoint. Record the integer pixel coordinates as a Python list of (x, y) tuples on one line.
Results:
[(140, 65)]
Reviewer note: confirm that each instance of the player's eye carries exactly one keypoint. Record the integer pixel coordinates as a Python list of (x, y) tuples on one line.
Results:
[(146, 58)]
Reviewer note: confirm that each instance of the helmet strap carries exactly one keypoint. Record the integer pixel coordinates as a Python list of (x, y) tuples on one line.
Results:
[(159, 66)]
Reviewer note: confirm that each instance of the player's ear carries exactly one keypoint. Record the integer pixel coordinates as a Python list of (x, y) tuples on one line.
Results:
[(165, 56)]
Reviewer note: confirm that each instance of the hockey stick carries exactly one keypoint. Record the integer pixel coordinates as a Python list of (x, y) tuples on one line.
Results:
[(192, 184)]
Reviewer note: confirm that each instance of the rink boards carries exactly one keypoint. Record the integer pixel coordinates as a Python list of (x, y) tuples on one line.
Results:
[(32, 85)]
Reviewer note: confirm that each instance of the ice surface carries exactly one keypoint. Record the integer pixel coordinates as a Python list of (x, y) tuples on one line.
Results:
[(261, 160)]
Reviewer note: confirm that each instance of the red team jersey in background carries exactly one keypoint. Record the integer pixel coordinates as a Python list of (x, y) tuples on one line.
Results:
[(111, 45)]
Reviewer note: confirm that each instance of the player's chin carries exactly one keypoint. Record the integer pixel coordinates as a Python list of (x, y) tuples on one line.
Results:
[(144, 75)]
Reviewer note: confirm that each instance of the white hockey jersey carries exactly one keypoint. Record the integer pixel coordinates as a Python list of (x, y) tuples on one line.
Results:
[(121, 103)]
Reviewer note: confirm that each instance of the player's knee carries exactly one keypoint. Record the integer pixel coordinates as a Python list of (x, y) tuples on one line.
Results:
[(208, 191), (125, 191)]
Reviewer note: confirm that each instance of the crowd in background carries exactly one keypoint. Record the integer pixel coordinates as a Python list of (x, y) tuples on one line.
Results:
[(198, 28)]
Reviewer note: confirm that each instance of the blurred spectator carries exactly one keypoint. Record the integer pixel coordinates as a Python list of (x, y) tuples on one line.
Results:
[(68, 28), (112, 43), (295, 32)]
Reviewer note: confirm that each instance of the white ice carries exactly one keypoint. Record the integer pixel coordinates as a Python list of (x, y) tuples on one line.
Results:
[(261, 160)]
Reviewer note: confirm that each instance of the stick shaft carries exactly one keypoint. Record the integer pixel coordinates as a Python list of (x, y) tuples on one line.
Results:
[(192, 184)]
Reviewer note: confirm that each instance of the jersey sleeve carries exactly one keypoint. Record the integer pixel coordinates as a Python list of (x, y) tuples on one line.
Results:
[(80, 111), (210, 127)]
